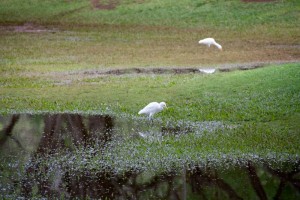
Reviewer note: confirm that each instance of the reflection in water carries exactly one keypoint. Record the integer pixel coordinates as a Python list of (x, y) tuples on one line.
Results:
[(28, 143)]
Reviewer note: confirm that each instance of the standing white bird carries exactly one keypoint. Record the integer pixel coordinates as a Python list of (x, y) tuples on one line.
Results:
[(210, 41), (153, 108)]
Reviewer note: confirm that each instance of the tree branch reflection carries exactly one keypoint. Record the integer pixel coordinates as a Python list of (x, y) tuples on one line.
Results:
[(69, 132), (7, 132)]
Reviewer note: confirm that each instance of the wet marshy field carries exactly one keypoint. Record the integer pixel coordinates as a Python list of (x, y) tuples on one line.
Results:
[(63, 155), (74, 75)]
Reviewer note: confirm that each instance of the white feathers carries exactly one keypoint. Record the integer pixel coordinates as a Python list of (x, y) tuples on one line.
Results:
[(207, 71), (153, 108), (210, 41)]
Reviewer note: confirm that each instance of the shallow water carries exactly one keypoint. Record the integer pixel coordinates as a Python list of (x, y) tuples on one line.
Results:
[(66, 156)]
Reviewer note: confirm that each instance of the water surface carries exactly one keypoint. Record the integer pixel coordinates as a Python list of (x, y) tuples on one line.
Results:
[(82, 156)]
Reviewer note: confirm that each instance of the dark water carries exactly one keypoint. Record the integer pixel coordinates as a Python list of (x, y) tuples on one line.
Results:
[(29, 145)]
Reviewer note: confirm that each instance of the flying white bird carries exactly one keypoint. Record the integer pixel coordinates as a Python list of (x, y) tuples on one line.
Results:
[(153, 108), (210, 41)]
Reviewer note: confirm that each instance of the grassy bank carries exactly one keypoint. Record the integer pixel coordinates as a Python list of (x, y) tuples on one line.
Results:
[(265, 94), (232, 14), (62, 35), (57, 49)]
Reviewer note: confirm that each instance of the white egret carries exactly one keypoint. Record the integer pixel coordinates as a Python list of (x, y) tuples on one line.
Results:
[(210, 41), (153, 108)]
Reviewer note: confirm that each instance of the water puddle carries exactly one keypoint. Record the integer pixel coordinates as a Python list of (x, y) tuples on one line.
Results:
[(176, 70), (104, 157)]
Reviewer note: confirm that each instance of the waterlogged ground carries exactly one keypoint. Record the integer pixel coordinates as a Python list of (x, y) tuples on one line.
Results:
[(64, 155)]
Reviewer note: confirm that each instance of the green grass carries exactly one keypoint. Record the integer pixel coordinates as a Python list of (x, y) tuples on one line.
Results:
[(118, 47), (265, 94), (147, 34), (187, 13)]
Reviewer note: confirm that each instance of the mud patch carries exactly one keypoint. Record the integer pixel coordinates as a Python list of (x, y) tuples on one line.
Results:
[(285, 46), (142, 71), (29, 28), (183, 70), (109, 4), (105, 5), (258, 1), (67, 78), (151, 71)]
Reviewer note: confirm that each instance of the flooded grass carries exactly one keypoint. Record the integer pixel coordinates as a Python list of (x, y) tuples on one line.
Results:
[(83, 156)]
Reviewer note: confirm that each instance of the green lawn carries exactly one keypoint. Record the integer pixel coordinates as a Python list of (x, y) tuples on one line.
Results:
[(265, 94), (77, 36), (233, 14)]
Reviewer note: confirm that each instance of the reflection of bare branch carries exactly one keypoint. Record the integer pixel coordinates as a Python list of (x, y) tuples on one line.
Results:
[(227, 188), (7, 131), (156, 179), (184, 183), (296, 183), (101, 127), (17, 142), (78, 130), (50, 139), (280, 189), (285, 177), (155, 182), (49, 143), (197, 183), (256, 184), (53, 139), (104, 185), (199, 178)]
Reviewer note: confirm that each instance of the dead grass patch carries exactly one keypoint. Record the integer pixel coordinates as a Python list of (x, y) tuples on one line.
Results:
[(28, 28), (258, 1), (105, 5)]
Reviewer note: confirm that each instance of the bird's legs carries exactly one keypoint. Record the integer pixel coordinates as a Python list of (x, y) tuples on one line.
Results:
[(150, 118)]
